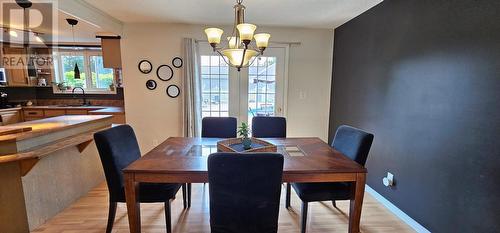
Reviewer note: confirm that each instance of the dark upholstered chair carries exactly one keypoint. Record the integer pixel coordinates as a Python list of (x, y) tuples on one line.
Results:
[(118, 148), (268, 127), (352, 142), (218, 127), (244, 192)]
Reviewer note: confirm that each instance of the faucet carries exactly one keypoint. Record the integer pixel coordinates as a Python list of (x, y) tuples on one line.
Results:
[(84, 98)]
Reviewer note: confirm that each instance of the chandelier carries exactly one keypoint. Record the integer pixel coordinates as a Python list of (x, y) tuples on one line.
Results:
[(239, 51)]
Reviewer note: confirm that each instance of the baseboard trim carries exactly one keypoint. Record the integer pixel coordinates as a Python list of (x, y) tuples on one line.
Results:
[(396, 211)]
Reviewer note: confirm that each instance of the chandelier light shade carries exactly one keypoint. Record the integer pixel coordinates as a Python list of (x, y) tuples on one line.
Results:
[(238, 52), (213, 35), (232, 42), (246, 31), (262, 40), (239, 57)]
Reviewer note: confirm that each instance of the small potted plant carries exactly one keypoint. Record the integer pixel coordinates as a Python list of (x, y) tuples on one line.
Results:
[(243, 132)]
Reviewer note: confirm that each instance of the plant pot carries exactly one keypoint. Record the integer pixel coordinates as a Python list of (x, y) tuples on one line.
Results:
[(247, 143)]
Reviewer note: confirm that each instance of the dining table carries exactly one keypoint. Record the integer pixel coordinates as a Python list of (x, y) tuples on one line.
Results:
[(184, 160)]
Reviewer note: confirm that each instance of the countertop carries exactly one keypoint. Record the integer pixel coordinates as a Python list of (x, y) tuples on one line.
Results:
[(50, 134), (92, 110), (49, 125), (9, 109)]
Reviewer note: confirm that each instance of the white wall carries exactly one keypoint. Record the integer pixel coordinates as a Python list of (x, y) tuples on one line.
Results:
[(156, 117)]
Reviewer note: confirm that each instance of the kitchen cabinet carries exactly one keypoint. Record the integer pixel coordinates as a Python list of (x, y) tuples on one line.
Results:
[(76, 112), (53, 113), (40, 112), (16, 67), (10, 116), (33, 114)]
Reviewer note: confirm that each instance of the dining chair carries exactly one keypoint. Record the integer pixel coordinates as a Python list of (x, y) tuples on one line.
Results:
[(244, 192), (268, 127), (352, 142), (218, 127), (117, 149)]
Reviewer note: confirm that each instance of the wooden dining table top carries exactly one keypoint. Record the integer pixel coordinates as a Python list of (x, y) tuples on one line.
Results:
[(189, 155)]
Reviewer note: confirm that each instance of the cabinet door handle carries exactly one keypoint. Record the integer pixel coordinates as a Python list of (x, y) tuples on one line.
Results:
[(31, 113)]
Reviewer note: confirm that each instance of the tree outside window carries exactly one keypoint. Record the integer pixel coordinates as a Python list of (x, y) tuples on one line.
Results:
[(93, 75)]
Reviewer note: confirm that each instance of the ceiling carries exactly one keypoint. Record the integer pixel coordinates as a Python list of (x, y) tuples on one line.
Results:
[(58, 32), (288, 13), (293, 13)]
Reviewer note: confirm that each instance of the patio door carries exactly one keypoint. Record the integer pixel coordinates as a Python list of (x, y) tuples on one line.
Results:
[(259, 90), (263, 85)]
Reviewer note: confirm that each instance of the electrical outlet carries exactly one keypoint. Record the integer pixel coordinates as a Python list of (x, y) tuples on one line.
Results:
[(388, 180)]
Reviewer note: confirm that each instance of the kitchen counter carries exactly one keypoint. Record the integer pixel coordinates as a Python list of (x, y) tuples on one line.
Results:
[(37, 112), (91, 109), (44, 131), (46, 167), (9, 109), (108, 110)]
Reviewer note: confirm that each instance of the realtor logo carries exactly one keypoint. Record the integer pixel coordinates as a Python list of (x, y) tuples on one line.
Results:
[(27, 24)]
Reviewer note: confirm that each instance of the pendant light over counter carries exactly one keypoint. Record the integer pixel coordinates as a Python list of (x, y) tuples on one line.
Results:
[(73, 23)]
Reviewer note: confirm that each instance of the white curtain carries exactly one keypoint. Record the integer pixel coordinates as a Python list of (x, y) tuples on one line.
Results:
[(192, 89)]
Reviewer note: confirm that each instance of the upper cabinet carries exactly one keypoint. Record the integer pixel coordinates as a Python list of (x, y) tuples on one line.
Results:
[(16, 70), (111, 52), (23, 66)]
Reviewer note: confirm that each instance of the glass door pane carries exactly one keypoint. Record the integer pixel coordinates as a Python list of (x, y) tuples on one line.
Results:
[(262, 87), (214, 86)]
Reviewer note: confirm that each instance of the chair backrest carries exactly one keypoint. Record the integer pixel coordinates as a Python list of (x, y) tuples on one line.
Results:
[(268, 127), (218, 127), (244, 191), (117, 148), (352, 142)]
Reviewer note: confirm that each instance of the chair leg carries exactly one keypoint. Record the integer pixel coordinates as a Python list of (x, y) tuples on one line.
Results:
[(189, 195), (184, 196), (304, 217), (334, 203), (287, 197), (168, 221), (111, 216)]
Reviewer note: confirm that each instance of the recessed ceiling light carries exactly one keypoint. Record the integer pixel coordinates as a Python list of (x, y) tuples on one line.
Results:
[(13, 33)]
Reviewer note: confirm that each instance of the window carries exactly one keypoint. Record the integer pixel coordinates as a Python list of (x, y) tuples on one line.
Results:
[(214, 87), (94, 78)]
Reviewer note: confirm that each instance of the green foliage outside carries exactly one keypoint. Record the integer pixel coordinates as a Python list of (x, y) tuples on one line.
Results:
[(102, 79)]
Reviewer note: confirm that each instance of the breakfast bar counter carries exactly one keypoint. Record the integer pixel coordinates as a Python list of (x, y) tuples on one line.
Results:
[(45, 165)]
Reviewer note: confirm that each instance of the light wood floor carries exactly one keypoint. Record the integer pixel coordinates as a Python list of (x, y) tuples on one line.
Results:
[(89, 214)]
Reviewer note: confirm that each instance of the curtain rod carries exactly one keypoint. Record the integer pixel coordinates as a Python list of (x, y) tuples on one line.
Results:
[(273, 42)]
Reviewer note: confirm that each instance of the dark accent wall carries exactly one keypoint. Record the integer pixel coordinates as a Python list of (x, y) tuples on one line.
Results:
[(424, 77)]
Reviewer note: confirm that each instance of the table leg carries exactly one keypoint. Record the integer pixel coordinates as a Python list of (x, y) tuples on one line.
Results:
[(133, 205), (356, 203)]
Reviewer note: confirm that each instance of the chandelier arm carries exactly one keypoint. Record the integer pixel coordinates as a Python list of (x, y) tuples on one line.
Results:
[(255, 58), (223, 58), (243, 57)]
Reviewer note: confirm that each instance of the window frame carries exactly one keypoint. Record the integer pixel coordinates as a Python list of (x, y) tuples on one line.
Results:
[(87, 54)]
